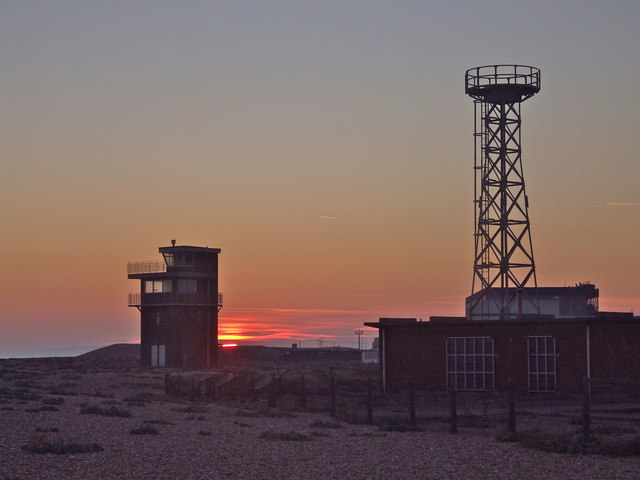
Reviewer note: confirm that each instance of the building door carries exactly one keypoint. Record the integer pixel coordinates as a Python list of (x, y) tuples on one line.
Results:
[(157, 355)]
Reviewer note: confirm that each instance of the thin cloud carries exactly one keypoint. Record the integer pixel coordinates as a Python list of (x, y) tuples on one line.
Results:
[(326, 217), (620, 204)]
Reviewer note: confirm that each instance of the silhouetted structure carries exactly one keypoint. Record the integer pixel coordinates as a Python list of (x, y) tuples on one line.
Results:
[(542, 354), (546, 339), (581, 300), (503, 261), (179, 304)]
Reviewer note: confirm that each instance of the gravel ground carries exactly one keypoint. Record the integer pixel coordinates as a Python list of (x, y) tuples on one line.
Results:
[(214, 442)]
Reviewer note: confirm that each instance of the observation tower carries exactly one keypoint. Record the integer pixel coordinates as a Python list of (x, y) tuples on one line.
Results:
[(503, 262)]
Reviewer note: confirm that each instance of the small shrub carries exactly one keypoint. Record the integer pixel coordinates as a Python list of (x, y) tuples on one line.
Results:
[(47, 429), (319, 434), (624, 448), (611, 430), (112, 411), (321, 424), (291, 436), (139, 397), (43, 408), (398, 427), (144, 430), (509, 437), (158, 422), (193, 408), (59, 446), (264, 412), (205, 432), (53, 400), (545, 443), (583, 445)]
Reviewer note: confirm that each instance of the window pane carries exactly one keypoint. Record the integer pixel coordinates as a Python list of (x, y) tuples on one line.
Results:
[(541, 345), (167, 285), (460, 363), (479, 346), (469, 379), (533, 382), (551, 363), (469, 363), (532, 364), (479, 363), (488, 346), (468, 346), (551, 345), (488, 363), (551, 383), (532, 345), (459, 345), (460, 381), (541, 363), (451, 346), (542, 382), (451, 363)]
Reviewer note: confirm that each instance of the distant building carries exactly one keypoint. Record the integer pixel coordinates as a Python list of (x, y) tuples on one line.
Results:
[(373, 355), (179, 304), (578, 301), (542, 354)]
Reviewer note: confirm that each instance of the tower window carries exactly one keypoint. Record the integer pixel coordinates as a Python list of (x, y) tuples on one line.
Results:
[(157, 286), (187, 285)]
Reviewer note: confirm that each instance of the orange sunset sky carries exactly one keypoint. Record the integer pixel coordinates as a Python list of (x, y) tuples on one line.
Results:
[(325, 147)]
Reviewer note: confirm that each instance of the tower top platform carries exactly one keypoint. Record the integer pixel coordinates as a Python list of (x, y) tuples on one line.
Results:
[(502, 83)]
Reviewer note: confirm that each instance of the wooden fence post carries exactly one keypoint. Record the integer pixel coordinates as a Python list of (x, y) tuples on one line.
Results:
[(586, 409), (454, 411), (511, 408), (332, 392), (271, 400), (412, 405), (369, 403), (303, 393)]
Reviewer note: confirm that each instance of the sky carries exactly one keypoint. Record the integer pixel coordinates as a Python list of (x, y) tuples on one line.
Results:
[(325, 147)]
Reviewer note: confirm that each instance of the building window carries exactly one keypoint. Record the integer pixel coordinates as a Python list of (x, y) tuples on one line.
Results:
[(157, 355), (157, 286), (157, 318), (470, 363), (169, 259), (542, 364), (187, 285)]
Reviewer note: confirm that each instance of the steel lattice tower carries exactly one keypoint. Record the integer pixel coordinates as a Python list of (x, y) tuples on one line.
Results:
[(503, 262)]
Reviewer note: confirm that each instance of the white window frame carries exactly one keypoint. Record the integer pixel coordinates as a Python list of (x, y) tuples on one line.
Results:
[(470, 363), (542, 364), (158, 286)]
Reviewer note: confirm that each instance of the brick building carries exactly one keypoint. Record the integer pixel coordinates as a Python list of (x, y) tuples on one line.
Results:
[(540, 353)]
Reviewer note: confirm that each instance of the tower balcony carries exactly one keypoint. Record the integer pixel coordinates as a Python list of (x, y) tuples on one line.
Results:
[(152, 266), (173, 298)]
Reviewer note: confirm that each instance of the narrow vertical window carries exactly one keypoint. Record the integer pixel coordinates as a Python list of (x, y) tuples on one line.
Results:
[(542, 364)]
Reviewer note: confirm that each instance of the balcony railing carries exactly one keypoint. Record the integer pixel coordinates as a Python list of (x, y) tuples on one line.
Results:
[(152, 266), (172, 298)]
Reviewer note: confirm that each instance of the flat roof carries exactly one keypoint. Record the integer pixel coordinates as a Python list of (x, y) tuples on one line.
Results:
[(189, 249), (600, 318)]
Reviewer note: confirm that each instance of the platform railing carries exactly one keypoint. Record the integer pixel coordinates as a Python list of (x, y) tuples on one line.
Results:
[(172, 298), (151, 266)]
